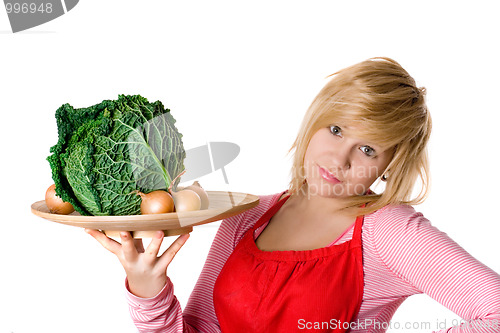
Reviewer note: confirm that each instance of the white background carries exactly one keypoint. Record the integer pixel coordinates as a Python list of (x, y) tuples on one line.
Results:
[(238, 71)]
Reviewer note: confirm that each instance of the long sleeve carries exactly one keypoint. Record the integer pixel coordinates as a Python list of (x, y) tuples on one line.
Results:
[(163, 312), (431, 262)]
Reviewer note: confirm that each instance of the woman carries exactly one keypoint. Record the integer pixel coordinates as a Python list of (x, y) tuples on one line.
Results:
[(328, 254)]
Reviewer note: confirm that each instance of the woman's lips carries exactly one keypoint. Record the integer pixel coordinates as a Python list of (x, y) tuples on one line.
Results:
[(327, 175)]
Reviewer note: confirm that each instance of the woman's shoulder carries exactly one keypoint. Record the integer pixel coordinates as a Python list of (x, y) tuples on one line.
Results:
[(393, 230), (395, 209), (396, 217), (265, 202), (236, 226), (269, 199)]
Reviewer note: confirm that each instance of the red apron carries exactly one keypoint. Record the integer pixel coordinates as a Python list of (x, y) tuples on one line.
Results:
[(316, 290)]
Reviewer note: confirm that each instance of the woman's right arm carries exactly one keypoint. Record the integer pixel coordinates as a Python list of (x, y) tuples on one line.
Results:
[(163, 312), (147, 282), (150, 293)]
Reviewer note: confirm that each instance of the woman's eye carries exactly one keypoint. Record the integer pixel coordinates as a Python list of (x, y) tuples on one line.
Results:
[(368, 151), (336, 130)]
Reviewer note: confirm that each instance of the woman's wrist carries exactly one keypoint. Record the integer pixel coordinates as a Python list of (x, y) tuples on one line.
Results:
[(146, 289)]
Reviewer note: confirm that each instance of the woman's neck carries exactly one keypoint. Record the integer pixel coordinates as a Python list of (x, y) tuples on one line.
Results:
[(316, 204)]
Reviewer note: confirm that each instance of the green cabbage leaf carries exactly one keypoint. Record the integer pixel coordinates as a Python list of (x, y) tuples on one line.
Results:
[(109, 150)]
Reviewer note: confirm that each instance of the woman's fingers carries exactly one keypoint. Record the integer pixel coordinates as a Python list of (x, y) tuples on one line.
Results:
[(154, 247), (129, 249), (108, 243), (170, 253)]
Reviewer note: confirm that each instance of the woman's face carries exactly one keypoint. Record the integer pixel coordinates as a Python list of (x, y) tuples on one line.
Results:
[(341, 165)]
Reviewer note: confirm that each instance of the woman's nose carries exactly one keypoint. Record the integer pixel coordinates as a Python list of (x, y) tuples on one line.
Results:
[(341, 159)]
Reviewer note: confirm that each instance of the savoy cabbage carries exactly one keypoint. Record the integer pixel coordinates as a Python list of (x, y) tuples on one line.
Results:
[(107, 151)]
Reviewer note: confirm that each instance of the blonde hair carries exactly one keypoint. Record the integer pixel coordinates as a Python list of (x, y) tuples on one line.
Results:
[(382, 99)]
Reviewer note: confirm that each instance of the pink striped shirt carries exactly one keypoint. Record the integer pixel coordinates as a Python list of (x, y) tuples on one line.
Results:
[(403, 255)]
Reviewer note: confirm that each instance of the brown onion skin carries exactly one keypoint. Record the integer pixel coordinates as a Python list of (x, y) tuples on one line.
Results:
[(201, 192), (55, 204), (156, 202)]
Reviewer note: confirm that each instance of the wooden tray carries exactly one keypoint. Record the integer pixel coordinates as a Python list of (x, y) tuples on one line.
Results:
[(221, 205)]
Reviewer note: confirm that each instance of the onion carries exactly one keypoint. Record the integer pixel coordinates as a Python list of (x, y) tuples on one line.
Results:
[(186, 200), (55, 204), (156, 202), (201, 192)]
